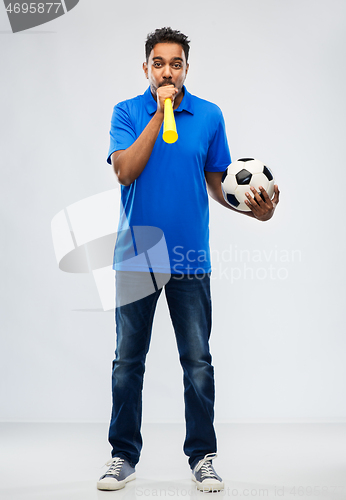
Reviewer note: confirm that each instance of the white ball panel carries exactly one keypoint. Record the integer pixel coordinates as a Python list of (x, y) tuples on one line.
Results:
[(258, 180), (230, 184), (254, 166), (243, 207), (236, 166), (240, 193), (270, 189)]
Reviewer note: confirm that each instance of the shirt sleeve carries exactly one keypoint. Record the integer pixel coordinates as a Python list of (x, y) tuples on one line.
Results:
[(122, 133), (219, 156)]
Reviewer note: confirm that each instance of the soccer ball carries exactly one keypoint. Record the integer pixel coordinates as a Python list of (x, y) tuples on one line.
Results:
[(239, 176)]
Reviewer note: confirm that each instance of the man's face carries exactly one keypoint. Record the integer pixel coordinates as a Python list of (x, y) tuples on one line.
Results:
[(166, 66)]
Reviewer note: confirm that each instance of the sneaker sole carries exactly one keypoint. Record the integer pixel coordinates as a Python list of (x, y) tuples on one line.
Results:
[(113, 484), (211, 485)]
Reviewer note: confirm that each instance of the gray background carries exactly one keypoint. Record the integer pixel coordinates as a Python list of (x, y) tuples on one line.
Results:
[(277, 70)]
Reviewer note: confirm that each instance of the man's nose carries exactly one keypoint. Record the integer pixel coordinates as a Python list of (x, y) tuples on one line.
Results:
[(167, 72)]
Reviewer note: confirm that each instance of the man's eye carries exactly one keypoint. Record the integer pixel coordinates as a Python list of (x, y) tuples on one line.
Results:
[(157, 65), (177, 66)]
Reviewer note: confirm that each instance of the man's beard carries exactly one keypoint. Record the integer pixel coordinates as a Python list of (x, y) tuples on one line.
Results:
[(166, 82)]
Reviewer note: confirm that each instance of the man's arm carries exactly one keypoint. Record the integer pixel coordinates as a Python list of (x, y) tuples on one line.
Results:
[(129, 163), (261, 210)]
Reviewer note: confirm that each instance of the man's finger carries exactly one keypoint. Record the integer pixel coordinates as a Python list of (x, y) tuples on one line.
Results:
[(258, 197), (249, 198), (265, 195), (251, 203), (276, 194)]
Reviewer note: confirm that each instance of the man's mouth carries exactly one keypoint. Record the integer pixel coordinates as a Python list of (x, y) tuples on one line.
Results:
[(166, 82)]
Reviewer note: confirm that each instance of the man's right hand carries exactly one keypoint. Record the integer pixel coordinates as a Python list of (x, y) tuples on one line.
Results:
[(163, 93)]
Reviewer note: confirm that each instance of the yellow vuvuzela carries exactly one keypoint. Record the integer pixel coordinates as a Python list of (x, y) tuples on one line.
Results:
[(169, 127)]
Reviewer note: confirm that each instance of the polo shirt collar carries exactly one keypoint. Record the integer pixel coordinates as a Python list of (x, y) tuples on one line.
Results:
[(185, 105)]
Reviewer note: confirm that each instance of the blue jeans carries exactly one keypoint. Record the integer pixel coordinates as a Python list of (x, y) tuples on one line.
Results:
[(189, 302)]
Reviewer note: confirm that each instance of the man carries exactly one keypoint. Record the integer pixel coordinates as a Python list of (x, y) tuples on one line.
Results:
[(166, 186)]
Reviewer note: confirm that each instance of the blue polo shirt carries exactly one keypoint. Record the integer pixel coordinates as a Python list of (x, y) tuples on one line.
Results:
[(170, 193)]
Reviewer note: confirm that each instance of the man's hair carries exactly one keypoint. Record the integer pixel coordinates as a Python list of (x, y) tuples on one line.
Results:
[(166, 35)]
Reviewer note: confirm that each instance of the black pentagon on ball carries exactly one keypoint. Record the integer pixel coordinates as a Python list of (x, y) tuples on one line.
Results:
[(243, 177), (232, 200), (246, 159), (224, 175), (268, 173)]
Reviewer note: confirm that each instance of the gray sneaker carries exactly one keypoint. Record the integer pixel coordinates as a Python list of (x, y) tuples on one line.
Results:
[(205, 476), (119, 473)]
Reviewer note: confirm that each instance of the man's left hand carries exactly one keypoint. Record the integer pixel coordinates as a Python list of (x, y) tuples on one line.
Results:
[(262, 209)]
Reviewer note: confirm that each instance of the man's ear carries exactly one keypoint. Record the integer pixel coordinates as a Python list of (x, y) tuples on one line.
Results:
[(145, 69)]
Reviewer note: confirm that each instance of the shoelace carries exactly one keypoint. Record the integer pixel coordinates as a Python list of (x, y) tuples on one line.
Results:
[(115, 466), (206, 466)]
